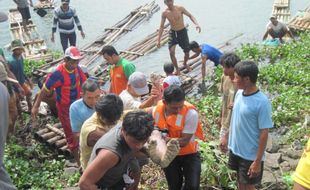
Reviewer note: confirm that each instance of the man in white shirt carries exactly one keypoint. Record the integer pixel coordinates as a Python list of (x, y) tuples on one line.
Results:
[(277, 29), (136, 87)]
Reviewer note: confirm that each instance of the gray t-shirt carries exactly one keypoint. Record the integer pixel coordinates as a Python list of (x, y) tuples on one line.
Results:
[(114, 142), (22, 3), (5, 181)]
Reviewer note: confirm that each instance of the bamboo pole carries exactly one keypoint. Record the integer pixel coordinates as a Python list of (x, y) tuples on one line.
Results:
[(60, 143)]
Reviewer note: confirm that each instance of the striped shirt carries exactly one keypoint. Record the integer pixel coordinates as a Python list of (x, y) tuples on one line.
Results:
[(67, 85), (65, 20)]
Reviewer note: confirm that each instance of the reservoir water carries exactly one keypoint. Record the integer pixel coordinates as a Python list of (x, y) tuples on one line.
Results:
[(219, 20)]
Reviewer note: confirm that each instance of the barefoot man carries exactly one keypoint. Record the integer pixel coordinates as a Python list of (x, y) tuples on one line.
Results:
[(178, 32)]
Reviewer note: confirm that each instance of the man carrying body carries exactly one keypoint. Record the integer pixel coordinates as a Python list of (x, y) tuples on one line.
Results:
[(65, 16), (178, 32), (120, 69), (137, 86), (248, 134), (277, 29), (66, 80), (23, 8), (181, 120), (83, 108), (109, 109), (114, 153), (228, 89), (207, 52)]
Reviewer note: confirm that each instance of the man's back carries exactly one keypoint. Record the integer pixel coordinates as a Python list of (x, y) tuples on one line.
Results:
[(79, 113), (211, 52)]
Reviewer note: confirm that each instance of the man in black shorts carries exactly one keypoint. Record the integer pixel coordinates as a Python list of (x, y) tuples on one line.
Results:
[(178, 32), (23, 8)]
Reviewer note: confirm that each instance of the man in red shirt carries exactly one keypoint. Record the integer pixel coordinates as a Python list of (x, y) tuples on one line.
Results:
[(66, 80)]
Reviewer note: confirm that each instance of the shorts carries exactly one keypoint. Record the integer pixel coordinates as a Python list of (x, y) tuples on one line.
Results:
[(242, 166), (25, 13), (179, 37)]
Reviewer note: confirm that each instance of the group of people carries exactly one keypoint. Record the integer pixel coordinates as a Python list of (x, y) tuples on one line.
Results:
[(113, 133)]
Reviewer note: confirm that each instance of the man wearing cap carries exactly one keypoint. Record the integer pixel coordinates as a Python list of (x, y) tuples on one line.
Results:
[(66, 80), (5, 181), (136, 87), (65, 16), (277, 29), (23, 8), (16, 65), (120, 69)]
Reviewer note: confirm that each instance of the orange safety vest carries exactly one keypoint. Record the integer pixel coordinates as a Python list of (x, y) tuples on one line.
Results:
[(118, 79), (175, 124)]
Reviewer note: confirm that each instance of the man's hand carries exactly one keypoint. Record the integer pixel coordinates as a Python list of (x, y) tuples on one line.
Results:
[(82, 34), (223, 144), (198, 28), (254, 169), (53, 38), (34, 113), (158, 44)]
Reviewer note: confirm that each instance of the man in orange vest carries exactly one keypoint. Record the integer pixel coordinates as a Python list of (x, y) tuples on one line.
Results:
[(181, 120), (120, 70)]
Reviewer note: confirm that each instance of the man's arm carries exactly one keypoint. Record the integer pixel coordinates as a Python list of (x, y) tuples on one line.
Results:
[(78, 24), (161, 28), (54, 27), (193, 19), (265, 35), (31, 3), (94, 136), (104, 160), (194, 56), (255, 167), (35, 109)]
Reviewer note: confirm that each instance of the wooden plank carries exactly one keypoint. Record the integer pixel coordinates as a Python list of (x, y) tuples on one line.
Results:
[(113, 28)]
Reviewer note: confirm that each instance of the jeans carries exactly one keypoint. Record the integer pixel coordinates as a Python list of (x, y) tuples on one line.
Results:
[(64, 38), (187, 166)]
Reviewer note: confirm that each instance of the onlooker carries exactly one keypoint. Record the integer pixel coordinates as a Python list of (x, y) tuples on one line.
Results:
[(207, 52), (65, 16), (109, 109), (137, 86), (228, 89), (66, 80), (23, 8), (120, 69), (5, 181), (277, 29), (248, 133), (16, 65), (84, 108), (178, 32), (113, 161), (171, 79), (301, 176), (181, 120), (8, 83)]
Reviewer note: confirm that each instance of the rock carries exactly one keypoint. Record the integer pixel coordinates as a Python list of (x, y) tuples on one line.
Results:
[(292, 162), (71, 163), (71, 170), (273, 160), (71, 188), (296, 145), (295, 154), (285, 166), (272, 145)]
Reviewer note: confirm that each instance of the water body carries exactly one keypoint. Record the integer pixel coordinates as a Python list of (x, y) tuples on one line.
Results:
[(219, 20)]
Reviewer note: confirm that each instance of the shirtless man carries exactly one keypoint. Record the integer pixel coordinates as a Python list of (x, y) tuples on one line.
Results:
[(178, 32)]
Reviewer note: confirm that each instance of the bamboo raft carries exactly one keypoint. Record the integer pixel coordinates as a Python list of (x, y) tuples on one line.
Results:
[(35, 47), (281, 9), (44, 4), (91, 52), (301, 22)]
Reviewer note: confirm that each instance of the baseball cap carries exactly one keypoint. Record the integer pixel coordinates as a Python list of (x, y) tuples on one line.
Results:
[(3, 17), (17, 44), (273, 17), (138, 82), (73, 53), (4, 75), (65, 1)]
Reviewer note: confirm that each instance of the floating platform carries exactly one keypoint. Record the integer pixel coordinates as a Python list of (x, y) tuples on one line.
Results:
[(35, 46), (301, 22), (281, 9)]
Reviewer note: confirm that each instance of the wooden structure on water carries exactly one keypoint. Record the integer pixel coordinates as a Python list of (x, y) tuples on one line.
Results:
[(281, 9), (35, 47), (301, 22), (90, 52)]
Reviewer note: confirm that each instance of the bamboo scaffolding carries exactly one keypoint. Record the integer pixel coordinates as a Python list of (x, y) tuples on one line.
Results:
[(301, 22)]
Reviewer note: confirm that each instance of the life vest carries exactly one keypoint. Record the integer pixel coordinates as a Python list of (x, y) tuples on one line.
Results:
[(175, 124), (118, 79)]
